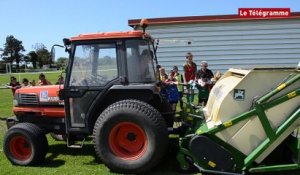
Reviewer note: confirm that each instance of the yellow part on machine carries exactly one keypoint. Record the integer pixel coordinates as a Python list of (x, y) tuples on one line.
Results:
[(212, 164), (236, 92)]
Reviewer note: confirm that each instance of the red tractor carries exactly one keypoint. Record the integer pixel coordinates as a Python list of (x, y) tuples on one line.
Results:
[(110, 93)]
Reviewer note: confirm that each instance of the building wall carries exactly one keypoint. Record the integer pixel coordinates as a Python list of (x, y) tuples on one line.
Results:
[(238, 44)]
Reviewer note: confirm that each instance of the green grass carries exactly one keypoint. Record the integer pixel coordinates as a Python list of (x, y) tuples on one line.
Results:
[(60, 159)]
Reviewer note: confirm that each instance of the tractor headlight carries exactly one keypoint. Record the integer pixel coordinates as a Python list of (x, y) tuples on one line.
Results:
[(16, 100)]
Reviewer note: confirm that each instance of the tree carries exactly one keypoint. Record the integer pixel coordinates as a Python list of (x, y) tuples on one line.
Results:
[(43, 54), (107, 60), (26, 59), (12, 50), (62, 62), (33, 58)]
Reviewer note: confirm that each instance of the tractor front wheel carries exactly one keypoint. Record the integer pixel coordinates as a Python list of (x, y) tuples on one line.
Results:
[(130, 136), (25, 144)]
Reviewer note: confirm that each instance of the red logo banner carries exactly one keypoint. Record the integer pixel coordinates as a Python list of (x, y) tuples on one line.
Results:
[(264, 12)]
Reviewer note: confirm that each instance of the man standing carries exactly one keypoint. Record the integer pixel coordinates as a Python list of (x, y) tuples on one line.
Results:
[(190, 69), (204, 76)]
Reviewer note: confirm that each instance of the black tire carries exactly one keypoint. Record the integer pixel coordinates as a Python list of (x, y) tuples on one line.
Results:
[(58, 137), (25, 144), (166, 107), (144, 141)]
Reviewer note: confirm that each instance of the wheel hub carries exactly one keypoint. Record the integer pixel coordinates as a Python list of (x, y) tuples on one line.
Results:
[(128, 141), (131, 136), (20, 148)]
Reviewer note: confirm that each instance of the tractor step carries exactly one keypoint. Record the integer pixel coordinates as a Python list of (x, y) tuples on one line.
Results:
[(75, 144)]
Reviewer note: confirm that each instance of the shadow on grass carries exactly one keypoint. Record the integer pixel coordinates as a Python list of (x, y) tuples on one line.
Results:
[(3, 118), (55, 150), (52, 163), (62, 149), (166, 166)]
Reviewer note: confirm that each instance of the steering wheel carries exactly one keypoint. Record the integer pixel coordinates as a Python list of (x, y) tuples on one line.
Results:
[(96, 80)]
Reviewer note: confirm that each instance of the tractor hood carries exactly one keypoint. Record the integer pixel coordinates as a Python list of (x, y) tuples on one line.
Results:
[(38, 95)]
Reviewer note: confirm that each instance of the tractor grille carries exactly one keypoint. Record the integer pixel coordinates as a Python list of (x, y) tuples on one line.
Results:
[(28, 99)]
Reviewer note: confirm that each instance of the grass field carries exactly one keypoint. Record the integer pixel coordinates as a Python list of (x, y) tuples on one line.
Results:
[(60, 159)]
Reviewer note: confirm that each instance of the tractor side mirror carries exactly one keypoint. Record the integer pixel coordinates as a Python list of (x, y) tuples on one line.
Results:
[(53, 51)]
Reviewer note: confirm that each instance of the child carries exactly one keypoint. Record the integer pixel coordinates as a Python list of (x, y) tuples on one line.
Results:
[(172, 90), (60, 80), (179, 79), (25, 82), (32, 83), (43, 81), (13, 85), (190, 69), (163, 75), (171, 78), (216, 77)]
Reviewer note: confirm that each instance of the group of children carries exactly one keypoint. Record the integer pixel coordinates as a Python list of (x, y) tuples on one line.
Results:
[(191, 79), (14, 84)]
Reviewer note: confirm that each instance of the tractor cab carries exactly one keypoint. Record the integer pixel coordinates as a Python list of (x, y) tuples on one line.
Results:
[(104, 68)]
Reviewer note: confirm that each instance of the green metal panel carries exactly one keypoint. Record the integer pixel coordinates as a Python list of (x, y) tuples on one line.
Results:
[(274, 168), (264, 120)]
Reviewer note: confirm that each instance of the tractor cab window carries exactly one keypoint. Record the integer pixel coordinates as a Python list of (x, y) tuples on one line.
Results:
[(140, 68), (94, 65)]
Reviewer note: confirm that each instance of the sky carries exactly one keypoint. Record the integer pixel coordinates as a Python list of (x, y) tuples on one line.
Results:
[(49, 21)]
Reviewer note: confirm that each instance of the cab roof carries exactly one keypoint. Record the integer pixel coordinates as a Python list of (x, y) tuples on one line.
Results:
[(109, 35)]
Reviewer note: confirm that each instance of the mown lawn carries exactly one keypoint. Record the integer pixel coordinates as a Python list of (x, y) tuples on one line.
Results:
[(60, 159)]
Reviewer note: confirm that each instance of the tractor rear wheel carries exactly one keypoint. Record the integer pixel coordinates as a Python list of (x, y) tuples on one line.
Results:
[(25, 144), (130, 136)]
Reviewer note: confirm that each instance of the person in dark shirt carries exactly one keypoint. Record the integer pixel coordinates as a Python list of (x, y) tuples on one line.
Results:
[(204, 76), (13, 85)]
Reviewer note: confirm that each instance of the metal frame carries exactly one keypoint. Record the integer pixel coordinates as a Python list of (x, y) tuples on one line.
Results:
[(246, 162)]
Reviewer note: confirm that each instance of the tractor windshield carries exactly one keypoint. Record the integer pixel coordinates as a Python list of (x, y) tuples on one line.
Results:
[(140, 64), (94, 64)]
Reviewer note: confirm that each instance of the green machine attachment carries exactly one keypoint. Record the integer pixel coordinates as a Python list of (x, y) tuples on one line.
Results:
[(250, 124)]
